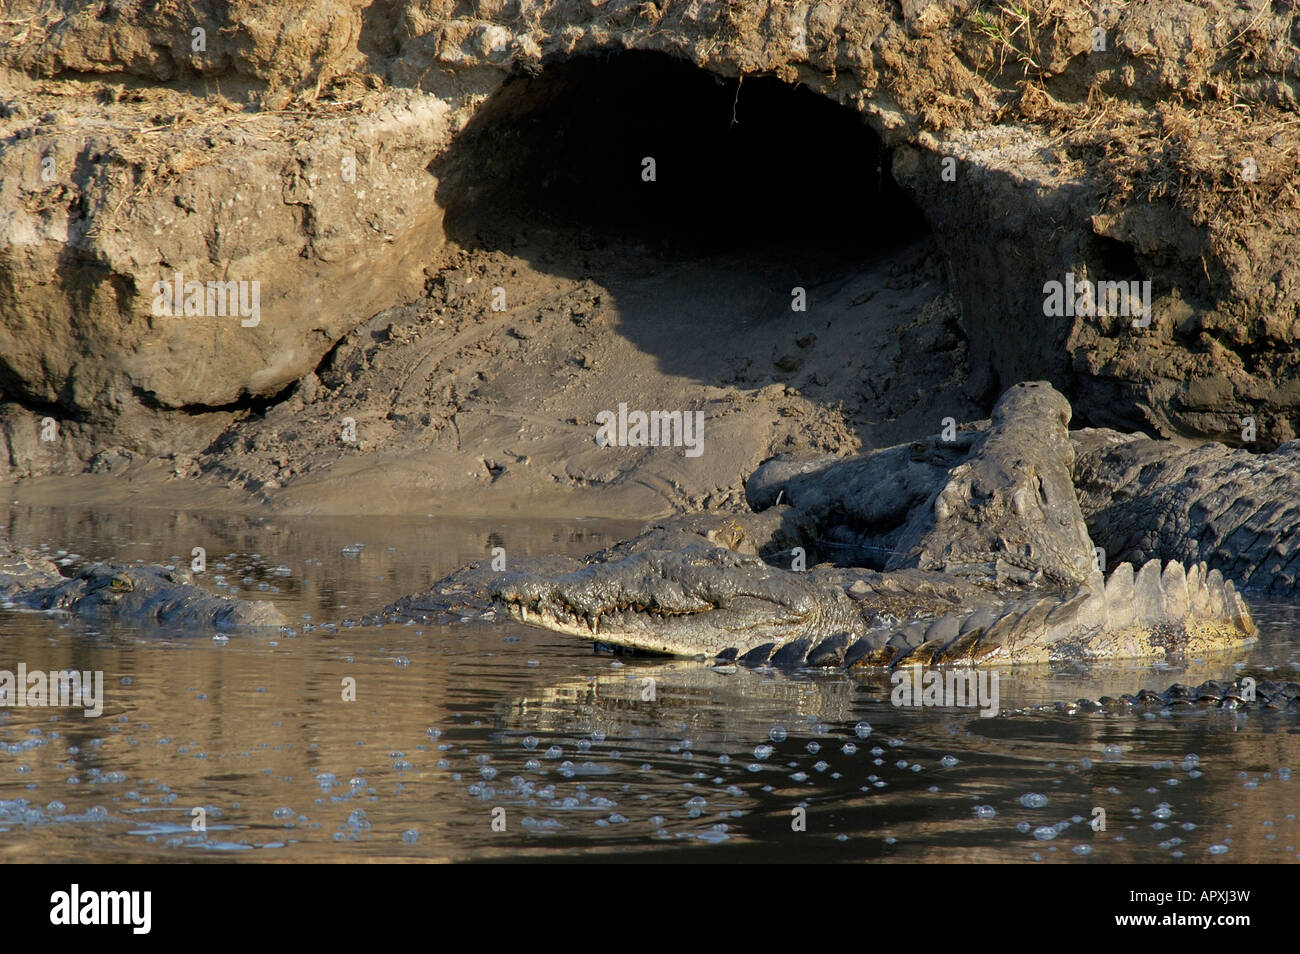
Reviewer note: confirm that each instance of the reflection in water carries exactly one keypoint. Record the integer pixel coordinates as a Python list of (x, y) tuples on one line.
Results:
[(587, 755)]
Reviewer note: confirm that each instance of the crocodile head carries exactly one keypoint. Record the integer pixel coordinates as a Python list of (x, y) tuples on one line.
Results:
[(699, 600)]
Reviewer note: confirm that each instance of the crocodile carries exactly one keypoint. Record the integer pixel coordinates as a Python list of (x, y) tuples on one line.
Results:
[(1236, 510), (983, 554), (137, 593)]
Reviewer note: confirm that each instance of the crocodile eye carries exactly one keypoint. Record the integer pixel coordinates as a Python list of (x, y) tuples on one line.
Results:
[(120, 582)]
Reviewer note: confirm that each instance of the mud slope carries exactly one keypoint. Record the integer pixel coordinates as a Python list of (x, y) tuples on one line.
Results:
[(460, 256)]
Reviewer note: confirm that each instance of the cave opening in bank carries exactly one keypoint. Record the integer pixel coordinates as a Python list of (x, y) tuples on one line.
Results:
[(642, 147)]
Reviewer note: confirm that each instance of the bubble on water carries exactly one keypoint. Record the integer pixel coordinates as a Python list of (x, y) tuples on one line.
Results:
[(554, 752), (1083, 849), (800, 776), (901, 763), (985, 811), (1283, 774), (1219, 849), (762, 752), (532, 765), (56, 807), (1023, 827), (598, 736), (948, 761), (401, 662), (1033, 800), (282, 812), (813, 748), (1112, 753), (1046, 832), (221, 638), (716, 834), (433, 733), (862, 729), (821, 766)]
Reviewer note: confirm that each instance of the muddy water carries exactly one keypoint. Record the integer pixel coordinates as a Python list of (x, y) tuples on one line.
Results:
[(574, 754)]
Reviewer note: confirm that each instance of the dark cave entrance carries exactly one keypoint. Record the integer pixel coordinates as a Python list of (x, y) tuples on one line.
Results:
[(736, 163)]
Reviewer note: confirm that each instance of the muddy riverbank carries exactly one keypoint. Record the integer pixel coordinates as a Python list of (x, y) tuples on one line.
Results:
[(461, 255)]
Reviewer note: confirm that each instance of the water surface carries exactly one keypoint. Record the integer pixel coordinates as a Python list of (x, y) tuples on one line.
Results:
[(487, 740)]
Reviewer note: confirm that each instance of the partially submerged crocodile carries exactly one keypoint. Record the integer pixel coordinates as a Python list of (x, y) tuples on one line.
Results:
[(146, 594), (988, 561)]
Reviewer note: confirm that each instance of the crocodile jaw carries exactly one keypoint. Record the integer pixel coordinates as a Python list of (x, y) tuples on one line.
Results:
[(705, 632), (696, 602)]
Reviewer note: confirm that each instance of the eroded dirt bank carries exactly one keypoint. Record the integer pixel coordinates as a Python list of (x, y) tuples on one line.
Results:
[(461, 259)]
